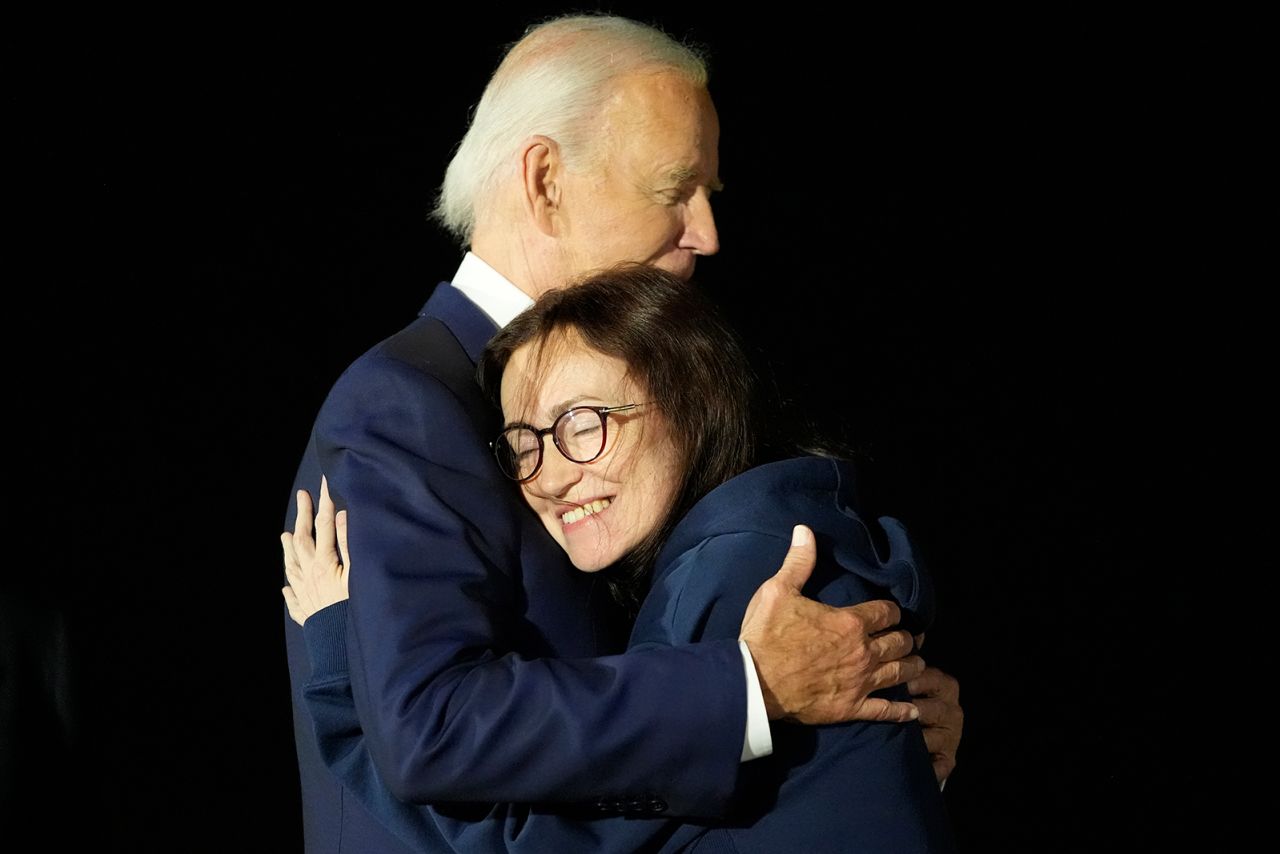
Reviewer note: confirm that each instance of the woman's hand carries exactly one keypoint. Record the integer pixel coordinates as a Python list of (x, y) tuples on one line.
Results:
[(317, 577)]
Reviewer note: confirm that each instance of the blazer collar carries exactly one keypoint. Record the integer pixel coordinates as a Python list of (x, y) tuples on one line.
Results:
[(471, 326)]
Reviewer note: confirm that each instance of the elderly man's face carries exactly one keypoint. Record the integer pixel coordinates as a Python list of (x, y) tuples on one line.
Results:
[(650, 200)]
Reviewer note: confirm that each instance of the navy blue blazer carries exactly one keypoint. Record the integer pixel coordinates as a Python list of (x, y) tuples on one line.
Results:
[(844, 787), (474, 646), (848, 787)]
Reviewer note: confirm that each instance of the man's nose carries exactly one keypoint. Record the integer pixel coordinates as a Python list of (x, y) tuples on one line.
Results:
[(700, 233)]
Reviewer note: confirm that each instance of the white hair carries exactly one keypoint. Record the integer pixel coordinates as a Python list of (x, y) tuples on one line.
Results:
[(552, 82)]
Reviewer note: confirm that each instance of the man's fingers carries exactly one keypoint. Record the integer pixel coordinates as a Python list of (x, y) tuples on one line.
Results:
[(877, 709), (891, 646), (934, 683), (939, 740), (892, 673), (938, 697), (943, 765), (878, 615), (798, 565), (935, 712), (919, 640)]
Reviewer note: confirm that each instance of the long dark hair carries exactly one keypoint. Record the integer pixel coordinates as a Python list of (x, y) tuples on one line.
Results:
[(677, 348)]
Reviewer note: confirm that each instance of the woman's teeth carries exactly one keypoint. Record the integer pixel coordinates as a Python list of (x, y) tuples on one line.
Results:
[(585, 510)]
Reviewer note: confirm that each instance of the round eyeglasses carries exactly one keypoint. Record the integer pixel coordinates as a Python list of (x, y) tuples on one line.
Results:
[(579, 434)]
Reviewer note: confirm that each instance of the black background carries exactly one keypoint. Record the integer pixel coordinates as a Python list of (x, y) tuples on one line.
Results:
[(981, 251)]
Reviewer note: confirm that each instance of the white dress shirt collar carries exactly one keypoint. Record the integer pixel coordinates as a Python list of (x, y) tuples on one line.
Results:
[(490, 290)]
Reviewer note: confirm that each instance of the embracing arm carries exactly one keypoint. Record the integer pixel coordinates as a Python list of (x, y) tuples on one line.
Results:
[(440, 601), (341, 740), (318, 578), (462, 827), (869, 779), (862, 657), (316, 597)]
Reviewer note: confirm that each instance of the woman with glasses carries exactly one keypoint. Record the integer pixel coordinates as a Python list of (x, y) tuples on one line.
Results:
[(629, 430)]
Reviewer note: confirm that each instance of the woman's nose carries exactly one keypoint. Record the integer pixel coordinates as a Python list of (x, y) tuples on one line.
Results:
[(557, 474)]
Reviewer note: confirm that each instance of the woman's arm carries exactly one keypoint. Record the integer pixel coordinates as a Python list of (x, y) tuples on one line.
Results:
[(316, 573)]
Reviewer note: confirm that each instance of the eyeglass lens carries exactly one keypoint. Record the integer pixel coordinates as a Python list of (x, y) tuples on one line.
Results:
[(579, 436)]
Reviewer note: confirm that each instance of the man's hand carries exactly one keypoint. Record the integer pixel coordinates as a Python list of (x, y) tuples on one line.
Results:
[(937, 695), (818, 664)]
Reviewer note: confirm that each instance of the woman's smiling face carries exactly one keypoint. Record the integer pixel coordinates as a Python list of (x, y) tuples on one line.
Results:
[(600, 510)]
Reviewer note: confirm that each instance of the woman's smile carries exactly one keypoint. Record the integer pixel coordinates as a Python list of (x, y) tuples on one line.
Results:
[(600, 510), (582, 512)]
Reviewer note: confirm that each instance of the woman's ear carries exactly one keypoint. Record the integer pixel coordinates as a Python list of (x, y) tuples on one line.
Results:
[(542, 172)]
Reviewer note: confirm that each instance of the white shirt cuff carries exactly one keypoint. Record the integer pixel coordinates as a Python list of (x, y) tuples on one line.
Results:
[(758, 740)]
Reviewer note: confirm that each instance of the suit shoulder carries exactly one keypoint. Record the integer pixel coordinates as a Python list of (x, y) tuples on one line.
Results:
[(417, 383), (425, 346), (424, 356)]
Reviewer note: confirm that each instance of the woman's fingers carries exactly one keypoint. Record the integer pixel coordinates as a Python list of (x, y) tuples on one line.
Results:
[(286, 544), (324, 523), (316, 578), (292, 568), (341, 522), (303, 540), (295, 608)]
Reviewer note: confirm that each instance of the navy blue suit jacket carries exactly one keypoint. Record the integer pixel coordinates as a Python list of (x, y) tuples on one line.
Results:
[(473, 643), (849, 787), (866, 787)]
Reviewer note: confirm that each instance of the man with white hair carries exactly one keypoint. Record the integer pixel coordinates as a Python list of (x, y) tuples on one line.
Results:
[(476, 652)]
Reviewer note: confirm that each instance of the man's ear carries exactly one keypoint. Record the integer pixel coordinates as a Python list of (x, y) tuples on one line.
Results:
[(542, 172)]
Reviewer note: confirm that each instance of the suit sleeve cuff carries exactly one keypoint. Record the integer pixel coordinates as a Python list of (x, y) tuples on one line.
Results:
[(325, 632), (758, 740)]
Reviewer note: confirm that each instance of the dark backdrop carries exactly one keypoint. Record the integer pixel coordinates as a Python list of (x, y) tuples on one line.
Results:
[(965, 247)]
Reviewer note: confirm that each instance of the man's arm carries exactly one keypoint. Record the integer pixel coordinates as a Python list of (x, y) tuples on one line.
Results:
[(463, 827), (450, 713), (317, 576), (317, 570), (869, 785), (800, 641), (935, 694)]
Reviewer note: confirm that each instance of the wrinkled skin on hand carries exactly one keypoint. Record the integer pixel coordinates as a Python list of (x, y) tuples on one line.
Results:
[(937, 695), (819, 664)]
